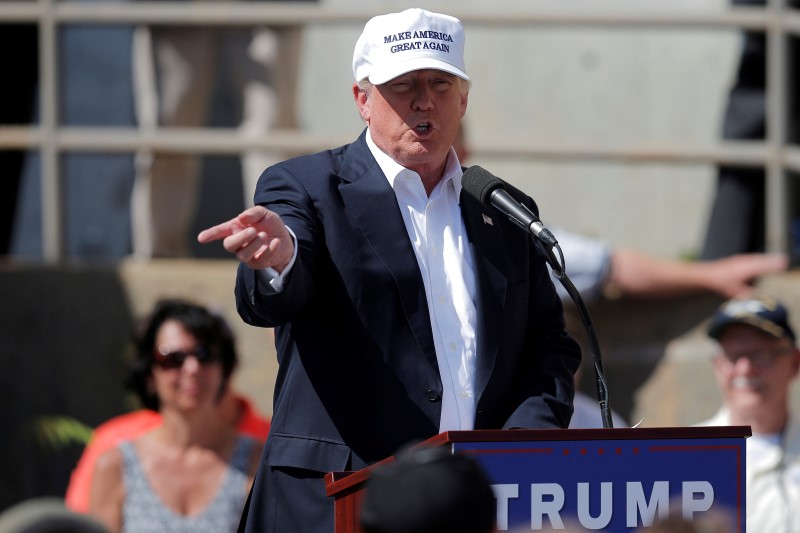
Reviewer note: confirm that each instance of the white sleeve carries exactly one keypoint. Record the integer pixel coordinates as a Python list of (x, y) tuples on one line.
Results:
[(270, 277), (587, 263)]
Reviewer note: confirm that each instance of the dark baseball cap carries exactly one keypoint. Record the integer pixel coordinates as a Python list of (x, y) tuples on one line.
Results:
[(763, 313), (428, 490)]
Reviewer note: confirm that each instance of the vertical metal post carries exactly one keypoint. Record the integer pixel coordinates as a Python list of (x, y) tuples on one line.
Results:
[(777, 223), (52, 216)]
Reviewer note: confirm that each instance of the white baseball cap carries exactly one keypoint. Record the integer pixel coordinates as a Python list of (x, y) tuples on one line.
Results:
[(415, 39)]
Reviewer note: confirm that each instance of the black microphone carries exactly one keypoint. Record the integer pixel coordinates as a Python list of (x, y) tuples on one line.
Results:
[(489, 189)]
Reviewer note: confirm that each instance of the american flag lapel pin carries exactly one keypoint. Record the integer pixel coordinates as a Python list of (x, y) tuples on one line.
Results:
[(487, 220)]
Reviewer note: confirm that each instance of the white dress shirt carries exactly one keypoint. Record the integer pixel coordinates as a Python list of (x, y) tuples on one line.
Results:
[(772, 477), (437, 233)]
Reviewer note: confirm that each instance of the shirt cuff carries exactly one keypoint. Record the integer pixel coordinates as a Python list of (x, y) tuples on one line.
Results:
[(270, 276)]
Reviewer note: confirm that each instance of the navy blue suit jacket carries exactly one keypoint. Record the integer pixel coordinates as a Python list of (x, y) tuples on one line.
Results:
[(358, 376)]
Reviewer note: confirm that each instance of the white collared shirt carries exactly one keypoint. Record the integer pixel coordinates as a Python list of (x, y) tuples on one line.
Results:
[(437, 233), (772, 468)]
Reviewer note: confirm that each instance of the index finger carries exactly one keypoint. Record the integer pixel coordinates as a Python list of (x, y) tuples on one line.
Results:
[(220, 231)]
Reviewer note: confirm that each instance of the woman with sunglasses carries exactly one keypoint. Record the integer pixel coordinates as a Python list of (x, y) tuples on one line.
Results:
[(194, 471)]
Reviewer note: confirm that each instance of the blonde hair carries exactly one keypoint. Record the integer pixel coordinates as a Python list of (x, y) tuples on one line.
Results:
[(365, 86)]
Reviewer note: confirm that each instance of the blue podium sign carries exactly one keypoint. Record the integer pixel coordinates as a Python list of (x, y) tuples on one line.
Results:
[(626, 480), (590, 479)]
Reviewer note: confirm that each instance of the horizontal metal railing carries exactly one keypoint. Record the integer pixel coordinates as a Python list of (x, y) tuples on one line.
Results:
[(226, 141), (51, 139), (277, 13)]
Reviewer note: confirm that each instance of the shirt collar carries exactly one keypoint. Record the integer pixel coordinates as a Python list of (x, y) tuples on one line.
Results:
[(392, 169)]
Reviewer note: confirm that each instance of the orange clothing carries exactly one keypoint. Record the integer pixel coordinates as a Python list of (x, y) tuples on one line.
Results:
[(129, 426)]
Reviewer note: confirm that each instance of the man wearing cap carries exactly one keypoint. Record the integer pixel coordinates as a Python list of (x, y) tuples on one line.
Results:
[(402, 307), (755, 366)]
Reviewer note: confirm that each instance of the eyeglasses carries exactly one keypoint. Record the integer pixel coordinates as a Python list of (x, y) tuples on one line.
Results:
[(759, 358), (169, 360)]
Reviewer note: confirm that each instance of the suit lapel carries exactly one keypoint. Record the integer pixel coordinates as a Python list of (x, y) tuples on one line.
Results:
[(372, 206), (488, 252)]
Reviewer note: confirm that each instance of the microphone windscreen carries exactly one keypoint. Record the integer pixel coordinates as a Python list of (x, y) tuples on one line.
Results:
[(480, 183)]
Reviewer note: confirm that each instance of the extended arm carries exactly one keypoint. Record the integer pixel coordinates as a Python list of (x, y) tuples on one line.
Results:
[(597, 269), (636, 274)]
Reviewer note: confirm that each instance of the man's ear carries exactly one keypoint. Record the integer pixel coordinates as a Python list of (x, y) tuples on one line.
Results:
[(362, 103)]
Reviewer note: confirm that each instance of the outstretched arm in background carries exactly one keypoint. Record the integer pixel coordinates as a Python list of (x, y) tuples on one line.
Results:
[(635, 274)]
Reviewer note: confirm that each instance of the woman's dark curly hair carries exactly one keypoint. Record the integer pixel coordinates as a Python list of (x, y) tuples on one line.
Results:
[(208, 328)]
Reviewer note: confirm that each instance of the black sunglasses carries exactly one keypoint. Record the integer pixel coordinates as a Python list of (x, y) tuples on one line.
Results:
[(169, 360)]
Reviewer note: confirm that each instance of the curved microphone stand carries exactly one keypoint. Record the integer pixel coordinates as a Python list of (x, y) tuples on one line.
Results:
[(560, 272)]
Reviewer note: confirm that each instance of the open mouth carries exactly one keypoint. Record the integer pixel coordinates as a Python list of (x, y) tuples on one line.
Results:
[(743, 383), (423, 128)]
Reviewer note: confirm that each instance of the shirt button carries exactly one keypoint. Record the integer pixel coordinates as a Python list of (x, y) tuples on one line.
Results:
[(453, 346), (433, 396)]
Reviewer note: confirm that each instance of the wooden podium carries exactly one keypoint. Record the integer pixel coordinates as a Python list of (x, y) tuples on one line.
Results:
[(603, 479)]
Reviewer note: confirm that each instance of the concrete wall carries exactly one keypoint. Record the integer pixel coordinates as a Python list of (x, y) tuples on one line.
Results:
[(598, 86), (553, 85)]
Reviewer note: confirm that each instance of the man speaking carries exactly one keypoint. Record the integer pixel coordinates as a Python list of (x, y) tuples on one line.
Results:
[(403, 306)]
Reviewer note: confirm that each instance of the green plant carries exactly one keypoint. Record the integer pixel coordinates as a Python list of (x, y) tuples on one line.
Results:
[(57, 432)]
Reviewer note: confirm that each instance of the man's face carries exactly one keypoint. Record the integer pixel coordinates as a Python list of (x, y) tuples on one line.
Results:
[(754, 370), (414, 118)]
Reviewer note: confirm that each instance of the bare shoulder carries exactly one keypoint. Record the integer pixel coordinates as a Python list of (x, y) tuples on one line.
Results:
[(107, 482), (109, 464), (108, 489)]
